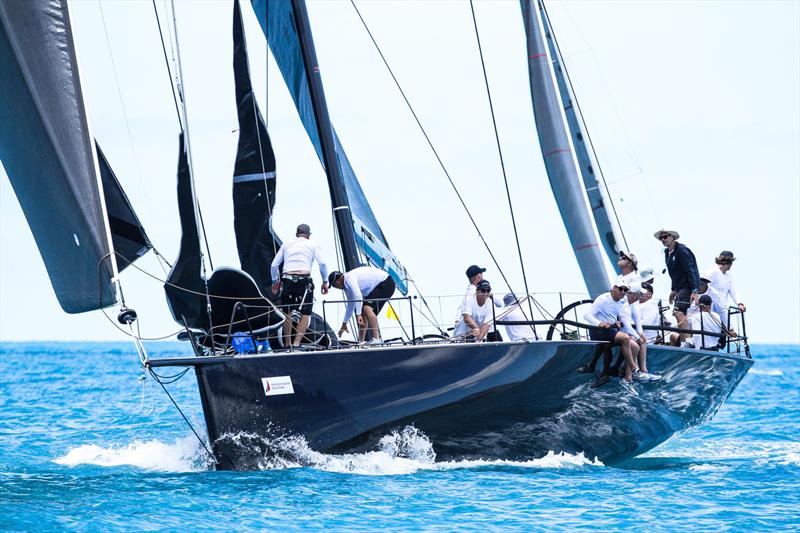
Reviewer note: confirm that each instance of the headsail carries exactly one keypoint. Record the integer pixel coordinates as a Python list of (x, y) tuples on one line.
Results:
[(590, 170), (254, 176), (127, 234), (278, 23), (185, 286), (48, 152), (559, 155)]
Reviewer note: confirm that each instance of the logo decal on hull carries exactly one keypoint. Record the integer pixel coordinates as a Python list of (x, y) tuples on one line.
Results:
[(277, 385)]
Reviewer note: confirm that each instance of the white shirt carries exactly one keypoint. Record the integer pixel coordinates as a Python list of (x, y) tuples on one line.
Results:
[(648, 313), (481, 314), (723, 284), (632, 277), (716, 303), (629, 316), (516, 333), (358, 283), (470, 293), (604, 309), (298, 256), (710, 322)]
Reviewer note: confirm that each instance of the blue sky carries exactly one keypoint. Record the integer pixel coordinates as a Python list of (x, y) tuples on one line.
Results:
[(692, 106)]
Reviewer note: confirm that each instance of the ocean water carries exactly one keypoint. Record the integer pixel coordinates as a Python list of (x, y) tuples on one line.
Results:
[(87, 444)]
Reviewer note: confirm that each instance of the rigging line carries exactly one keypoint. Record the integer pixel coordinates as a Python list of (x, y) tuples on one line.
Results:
[(155, 377), (430, 319), (430, 143), (166, 62), (585, 128), (503, 167)]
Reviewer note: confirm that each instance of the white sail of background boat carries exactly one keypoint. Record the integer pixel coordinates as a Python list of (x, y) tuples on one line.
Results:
[(504, 399)]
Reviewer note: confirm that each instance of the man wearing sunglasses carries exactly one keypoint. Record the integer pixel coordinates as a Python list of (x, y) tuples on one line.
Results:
[(605, 313), (476, 322), (682, 268)]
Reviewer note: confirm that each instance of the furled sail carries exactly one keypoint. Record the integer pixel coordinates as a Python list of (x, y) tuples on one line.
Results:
[(587, 164), (127, 234), (278, 23), (185, 286), (48, 152), (254, 172), (559, 155)]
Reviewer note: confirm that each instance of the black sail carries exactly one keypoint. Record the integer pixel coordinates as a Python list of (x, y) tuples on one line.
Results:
[(48, 152), (185, 286), (127, 234), (253, 173)]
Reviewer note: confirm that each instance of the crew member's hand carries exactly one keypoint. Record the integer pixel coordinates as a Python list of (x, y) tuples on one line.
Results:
[(695, 298), (642, 339), (276, 286), (742, 308), (324, 287), (475, 331), (604, 325), (342, 329), (360, 320), (672, 296)]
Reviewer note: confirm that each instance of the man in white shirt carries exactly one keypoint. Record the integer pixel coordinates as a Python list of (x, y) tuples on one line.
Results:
[(366, 289), (704, 320), (474, 275), (722, 282), (512, 312), (297, 287), (477, 318), (632, 326), (648, 312), (605, 312), (628, 267), (716, 299)]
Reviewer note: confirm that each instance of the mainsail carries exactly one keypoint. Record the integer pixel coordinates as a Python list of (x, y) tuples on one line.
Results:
[(559, 155), (587, 164), (254, 176), (280, 27), (48, 152)]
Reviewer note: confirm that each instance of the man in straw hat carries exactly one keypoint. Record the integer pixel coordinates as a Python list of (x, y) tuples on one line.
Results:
[(682, 268)]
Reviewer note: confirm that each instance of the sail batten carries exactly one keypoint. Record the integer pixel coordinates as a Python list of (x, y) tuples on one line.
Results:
[(280, 28), (48, 152), (559, 155)]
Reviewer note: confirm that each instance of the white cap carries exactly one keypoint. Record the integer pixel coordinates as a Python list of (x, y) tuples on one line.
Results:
[(621, 282), (635, 287), (646, 273)]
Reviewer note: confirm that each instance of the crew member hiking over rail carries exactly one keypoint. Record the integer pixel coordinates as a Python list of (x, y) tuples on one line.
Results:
[(376, 285)]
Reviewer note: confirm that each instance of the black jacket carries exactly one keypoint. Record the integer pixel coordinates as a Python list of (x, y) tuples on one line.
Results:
[(682, 268)]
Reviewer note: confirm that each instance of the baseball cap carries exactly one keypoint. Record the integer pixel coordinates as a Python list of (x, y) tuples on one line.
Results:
[(509, 298), (621, 282), (474, 270), (303, 229), (483, 285), (333, 276), (630, 257), (706, 300)]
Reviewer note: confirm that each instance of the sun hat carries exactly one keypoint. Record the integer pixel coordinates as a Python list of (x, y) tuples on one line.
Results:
[(724, 257), (663, 231)]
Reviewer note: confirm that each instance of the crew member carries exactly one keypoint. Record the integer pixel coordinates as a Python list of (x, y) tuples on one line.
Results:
[(722, 281), (476, 322), (682, 267), (366, 289), (297, 287)]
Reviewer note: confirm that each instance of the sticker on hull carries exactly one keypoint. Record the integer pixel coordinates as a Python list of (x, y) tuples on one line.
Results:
[(277, 385)]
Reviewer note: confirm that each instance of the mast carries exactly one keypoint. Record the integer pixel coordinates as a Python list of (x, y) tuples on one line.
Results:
[(559, 156), (589, 167), (341, 207)]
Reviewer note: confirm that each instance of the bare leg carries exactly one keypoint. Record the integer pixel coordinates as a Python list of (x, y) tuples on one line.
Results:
[(302, 326), (287, 331), (643, 358), (625, 348), (372, 321), (634, 353)]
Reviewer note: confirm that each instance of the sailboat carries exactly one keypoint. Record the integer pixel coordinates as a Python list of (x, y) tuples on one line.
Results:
[(516, 400)]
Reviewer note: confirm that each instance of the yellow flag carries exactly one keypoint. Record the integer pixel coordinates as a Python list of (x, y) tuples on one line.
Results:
[(391, 314)]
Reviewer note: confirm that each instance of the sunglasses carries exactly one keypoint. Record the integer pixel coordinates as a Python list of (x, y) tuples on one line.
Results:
[(622, 289), (665, 237), (485, 291)]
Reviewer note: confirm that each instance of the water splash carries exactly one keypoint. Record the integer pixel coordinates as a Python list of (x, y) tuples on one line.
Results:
[(183, 455)]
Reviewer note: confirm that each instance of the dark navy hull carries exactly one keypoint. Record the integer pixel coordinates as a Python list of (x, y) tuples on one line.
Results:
[(489, 400)]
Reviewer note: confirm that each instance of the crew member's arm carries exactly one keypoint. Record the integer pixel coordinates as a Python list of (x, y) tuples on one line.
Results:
[(275, 270), (323, 268), (689, 264), (354, 301), (591, 315)]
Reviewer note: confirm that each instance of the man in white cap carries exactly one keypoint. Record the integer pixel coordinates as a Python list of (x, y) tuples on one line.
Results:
[(297, 287), (628, 267), (632, 326), (604, 313), (682, 267), (648, 312), (513, 313)]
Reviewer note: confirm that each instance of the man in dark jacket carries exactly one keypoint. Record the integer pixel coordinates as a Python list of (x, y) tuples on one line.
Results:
[(682, 268)]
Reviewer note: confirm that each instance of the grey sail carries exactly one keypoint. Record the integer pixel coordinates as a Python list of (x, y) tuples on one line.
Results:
[(48, 152), (590, 170), (559, 155)]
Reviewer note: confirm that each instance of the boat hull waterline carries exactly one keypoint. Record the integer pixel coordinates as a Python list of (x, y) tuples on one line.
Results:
[(514, 401)]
